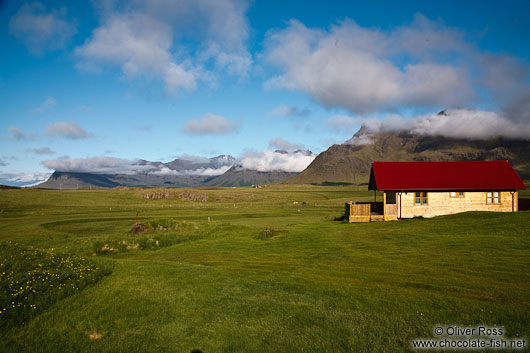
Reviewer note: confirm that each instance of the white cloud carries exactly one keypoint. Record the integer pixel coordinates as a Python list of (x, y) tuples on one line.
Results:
[(153, 39), (284, 110), (343, 122), (140, 45), (98, 165), (282, 144), (3, 163), (18, 134), (352, 67), (268, 160), (199, 171), (113, 165), (39, 29), (210, 124), (24, 178), (48, 103), (42, 151), (455, 123), (70, 130)]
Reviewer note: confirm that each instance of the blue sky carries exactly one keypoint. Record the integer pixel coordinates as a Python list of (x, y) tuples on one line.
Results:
[(158, 79)]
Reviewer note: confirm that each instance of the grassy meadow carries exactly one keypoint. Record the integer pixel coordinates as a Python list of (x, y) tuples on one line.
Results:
[(248, 270)]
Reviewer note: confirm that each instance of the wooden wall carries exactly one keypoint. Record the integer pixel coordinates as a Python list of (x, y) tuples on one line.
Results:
[(440, 203)]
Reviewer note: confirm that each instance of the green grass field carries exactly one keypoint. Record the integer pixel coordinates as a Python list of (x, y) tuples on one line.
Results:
[(272, 271)]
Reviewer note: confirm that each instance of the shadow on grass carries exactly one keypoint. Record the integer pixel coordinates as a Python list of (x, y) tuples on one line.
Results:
[(524, 204), (332, 183)]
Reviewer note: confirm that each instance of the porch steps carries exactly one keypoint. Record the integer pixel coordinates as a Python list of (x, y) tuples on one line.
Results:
[(377, 218)]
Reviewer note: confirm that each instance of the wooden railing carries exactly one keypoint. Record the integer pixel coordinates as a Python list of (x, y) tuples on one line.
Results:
[(357, 212), (370, 211)]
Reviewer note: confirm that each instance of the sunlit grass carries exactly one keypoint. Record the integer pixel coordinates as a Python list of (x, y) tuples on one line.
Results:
[(258, 270)]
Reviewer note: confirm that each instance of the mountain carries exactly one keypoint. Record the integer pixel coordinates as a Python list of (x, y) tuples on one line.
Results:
[(72, 180), (351, 161), (194, 172), (181, 164), (180, 172), (238, 176)]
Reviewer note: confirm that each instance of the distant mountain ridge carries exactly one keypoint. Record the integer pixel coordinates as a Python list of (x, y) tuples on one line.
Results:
[(351, 162), (222, 170), (238, 176), (345, 163)]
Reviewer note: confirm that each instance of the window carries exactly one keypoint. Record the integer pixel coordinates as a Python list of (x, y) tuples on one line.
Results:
[(456, 194), (493, 197), (390, 197), (420, 198)]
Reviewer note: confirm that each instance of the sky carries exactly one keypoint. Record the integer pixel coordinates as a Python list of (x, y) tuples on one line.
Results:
[(108, 81)]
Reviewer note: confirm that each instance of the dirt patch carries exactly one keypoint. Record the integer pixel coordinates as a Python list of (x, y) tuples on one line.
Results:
[(138, 228), (193, 196), (94, 336), (269, 233), (108, 249), (158, 195)]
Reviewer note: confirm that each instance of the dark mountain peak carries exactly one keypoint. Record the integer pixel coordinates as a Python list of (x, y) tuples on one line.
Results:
[(362, 137), (304, 152), (225, 157), (190, 164), (351, 161)]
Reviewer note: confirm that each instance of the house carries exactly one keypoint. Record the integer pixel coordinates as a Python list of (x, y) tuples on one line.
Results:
[(428, 189)]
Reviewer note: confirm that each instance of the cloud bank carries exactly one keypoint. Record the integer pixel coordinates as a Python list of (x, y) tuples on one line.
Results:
[(113, 165), (264, 161), (97, 165), (268, 161), (452, 123), (199, 171)]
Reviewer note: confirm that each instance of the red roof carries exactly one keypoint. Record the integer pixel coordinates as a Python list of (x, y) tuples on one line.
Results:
[(464, 175)]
